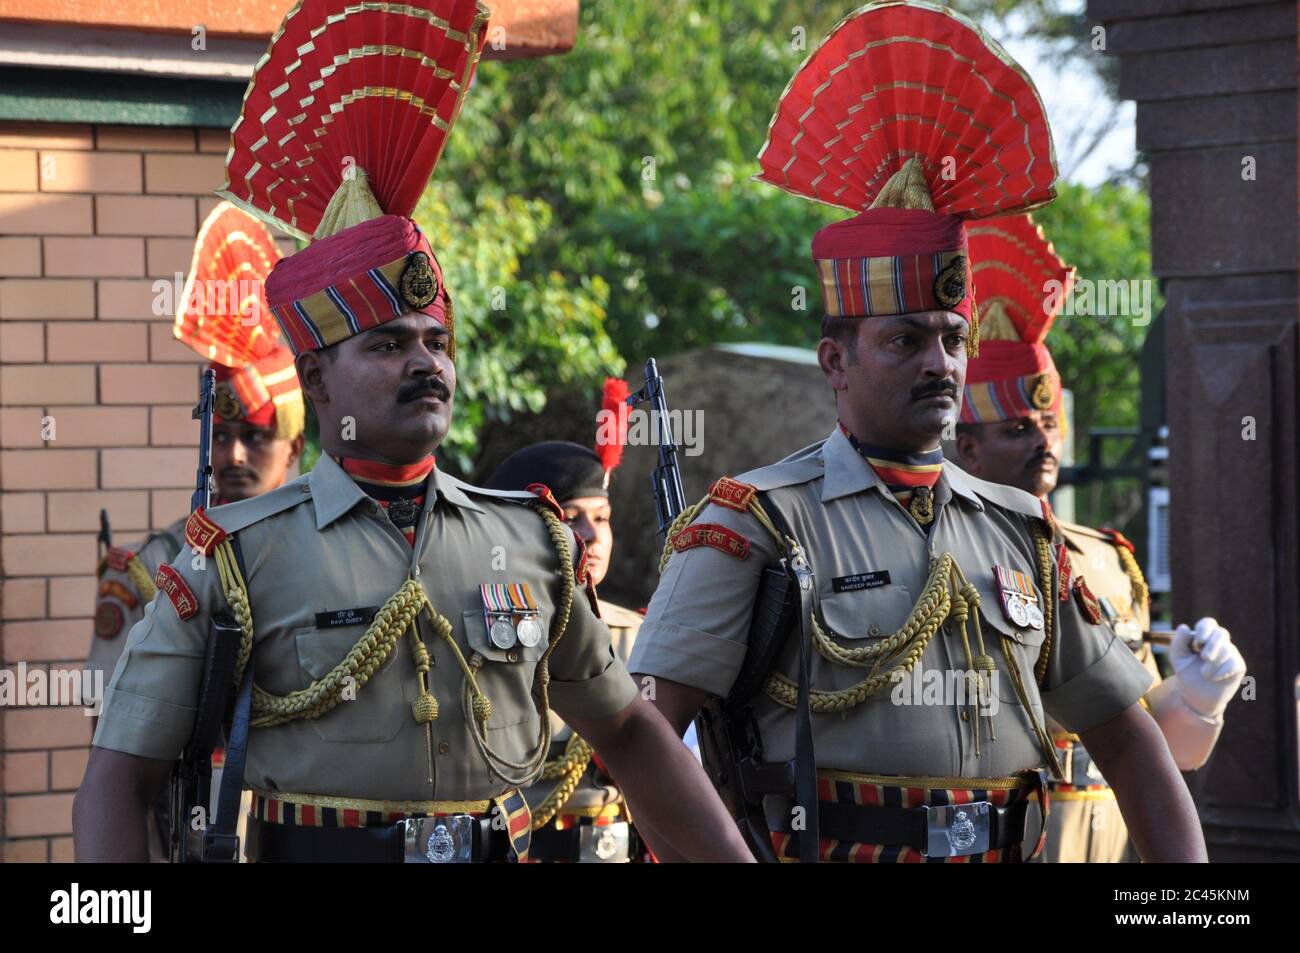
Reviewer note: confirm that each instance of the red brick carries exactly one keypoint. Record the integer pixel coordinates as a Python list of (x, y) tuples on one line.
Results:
[(62, 850), (17, 170), (136, 300), (145, 215), (130, 469), (23, 598), (31, 851), (22, 427), (101, 341), (22, 512), (165, 349), (44, 135), (27, 729), (32, 213), (148, 384), (26, 772), (89, 172), (144, 138), (25, 385), (96, 426), (128, 513), (214, 140), (20, 257), (50, 554), (32, 814), (22, 343), (47, 299), (48, 469), (184, 175), (67, 768), (167, 256), (173, 426), (72, 597), (48, 640), (167, 506), (94, 257)]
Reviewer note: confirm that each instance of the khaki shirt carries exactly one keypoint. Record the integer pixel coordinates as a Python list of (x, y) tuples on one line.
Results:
[(119, 604), (592, 793), (318, 546), (849, 524)]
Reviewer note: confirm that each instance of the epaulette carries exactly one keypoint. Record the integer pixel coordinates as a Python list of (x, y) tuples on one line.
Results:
[(117, 559), (733, 494), (1009, 498), (543, 493), (232, 517), (802, 466)]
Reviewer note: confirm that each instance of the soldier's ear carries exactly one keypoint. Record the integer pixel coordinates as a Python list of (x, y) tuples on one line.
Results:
[(311, 373), (833, 356), (967, 445)]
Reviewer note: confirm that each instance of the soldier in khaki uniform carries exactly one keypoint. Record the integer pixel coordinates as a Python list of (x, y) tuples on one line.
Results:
[(1011, 433), (579, 814), (404, 634), (257, 428), (943, 635)]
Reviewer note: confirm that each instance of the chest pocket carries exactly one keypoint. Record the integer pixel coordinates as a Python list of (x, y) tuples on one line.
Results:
[(867, 613), (380, 707), (507, 677), (1025, 642)]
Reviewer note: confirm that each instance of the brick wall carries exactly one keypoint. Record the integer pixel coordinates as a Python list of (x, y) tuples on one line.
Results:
[(90, 216)]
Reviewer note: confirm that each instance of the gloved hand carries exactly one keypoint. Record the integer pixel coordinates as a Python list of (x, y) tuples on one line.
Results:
[(1207, 665)]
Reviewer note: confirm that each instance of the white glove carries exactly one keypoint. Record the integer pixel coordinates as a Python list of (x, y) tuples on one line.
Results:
[(1207, 666)]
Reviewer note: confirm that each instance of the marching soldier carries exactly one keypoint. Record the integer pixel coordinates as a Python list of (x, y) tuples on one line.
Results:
[(579, 814), (257, 431), (402, 633), (931, 626), (1011, 433)]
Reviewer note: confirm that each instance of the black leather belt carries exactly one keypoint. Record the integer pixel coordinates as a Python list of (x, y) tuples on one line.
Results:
[(614, 843), (956, 830), (459, 839)]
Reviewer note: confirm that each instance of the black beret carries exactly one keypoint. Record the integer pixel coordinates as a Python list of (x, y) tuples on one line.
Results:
[(571, 470)]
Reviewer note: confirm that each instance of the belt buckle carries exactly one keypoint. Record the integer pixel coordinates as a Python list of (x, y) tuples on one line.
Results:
[(957, 830), (604, 845), (439, 840)]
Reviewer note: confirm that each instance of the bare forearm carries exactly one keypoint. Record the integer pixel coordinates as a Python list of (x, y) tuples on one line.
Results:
[(109, 813), (678, 810), (1157, 807)]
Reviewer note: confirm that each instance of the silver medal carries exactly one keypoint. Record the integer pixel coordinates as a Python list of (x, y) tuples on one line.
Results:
[(1016, 607), (1035, 615), (530, 632), (502, 633)]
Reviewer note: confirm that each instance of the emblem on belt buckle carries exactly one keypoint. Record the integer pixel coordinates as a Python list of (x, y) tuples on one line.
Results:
[(441, 847), (957, 830)]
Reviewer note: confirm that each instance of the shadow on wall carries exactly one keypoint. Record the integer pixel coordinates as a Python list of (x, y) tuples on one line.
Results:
[(750, 405)]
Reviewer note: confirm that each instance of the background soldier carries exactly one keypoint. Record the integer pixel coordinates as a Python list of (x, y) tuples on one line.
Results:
[(404, 632), (1011, 432), (918, 567), (575, 792)]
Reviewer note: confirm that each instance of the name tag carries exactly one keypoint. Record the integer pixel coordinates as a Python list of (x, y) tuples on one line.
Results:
[(334, 620), (861, 580)]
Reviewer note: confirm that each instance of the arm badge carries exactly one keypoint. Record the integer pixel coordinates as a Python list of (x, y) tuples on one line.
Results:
[(112, 589), (171, 584), (108, 620), (202, 534), (713, 535), (732, 493)]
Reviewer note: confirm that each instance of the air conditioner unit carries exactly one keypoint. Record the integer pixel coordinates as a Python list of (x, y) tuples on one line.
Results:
[(1157, 567)]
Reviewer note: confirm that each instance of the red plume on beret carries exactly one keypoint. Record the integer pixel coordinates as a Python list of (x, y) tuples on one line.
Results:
[(614, 400)]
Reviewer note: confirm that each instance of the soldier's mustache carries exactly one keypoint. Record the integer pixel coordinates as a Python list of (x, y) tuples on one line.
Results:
[(1039, 459), (935, 389), (235, 473), (422, 387)]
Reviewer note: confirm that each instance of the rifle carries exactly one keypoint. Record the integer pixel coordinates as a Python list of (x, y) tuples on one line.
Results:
[(666, 480), (730, 747), (191, 839)]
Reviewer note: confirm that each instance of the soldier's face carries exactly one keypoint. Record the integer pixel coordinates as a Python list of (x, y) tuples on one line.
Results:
[(1023, 453), (902, 381), (588, 517), (248, 461), (385, 394)]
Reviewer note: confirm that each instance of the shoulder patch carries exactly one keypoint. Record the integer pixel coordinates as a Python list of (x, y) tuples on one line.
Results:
[(543, 492), (112, 589), (108, 620), (732, 493), (117, 558), (713, 535), (171, 584), (202, 534), (1088, 603)]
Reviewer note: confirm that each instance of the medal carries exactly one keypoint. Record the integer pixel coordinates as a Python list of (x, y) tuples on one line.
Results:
[(502, 632), (1019, 615), (530, 632), (1035, 616), (1019, 598)]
